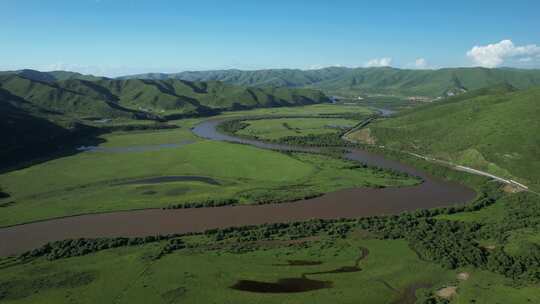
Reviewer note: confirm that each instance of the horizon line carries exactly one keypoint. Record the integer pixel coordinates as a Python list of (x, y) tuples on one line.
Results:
[(269, 69)]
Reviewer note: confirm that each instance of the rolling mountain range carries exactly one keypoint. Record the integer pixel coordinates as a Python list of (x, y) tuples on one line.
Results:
[(354, 81), (50, 77), (38, 107), (142, 98), (338, 80)]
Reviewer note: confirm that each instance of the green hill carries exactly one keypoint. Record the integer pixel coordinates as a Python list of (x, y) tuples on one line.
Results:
[(28, 132), (333, 80), (40, 116), (495, 129), (341, 80), (59, 98), (50, 76), (148, 99)]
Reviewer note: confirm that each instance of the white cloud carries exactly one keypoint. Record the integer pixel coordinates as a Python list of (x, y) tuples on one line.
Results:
[(323, 66), (379, 62), (420, 63), (493, 55)]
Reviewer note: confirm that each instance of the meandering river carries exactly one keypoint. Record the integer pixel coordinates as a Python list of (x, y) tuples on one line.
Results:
[(350, 203)]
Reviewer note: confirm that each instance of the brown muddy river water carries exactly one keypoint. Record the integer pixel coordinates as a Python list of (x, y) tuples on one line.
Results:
[(350, 203)]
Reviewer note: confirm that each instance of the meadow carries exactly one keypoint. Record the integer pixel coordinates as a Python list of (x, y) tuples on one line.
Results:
[(207, 274), (106, 180), (273, 129), (315, 110), (254, 265)]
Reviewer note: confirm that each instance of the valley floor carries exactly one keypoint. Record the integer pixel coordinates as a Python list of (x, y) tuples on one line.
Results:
[(487, 251)]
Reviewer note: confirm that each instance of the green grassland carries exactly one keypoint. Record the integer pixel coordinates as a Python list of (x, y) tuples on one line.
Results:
[(497, 245), (307, 110), (271, 129), (388, 271), (202, 275), (485, 287), (494, 129), (89, 182), (389, 102)]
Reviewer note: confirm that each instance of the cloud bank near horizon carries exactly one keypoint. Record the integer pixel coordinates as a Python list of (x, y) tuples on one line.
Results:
[(503, 52), (379, 62)]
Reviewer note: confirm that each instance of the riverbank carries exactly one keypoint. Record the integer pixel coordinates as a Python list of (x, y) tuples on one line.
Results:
[(351, 203)]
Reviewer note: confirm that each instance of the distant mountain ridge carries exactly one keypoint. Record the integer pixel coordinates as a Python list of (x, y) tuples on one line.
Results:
[(337, 80), (51, 76), (39, 113), (143, 98), (385, 80)]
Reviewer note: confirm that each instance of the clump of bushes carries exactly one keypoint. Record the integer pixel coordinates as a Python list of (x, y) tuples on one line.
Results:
[(139, 127), (205, 203), (317, 140), (280, 194), (173, 245)]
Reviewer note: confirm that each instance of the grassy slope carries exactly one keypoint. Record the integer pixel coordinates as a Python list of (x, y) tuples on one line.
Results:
[(19, 128), (338, 79), (28, 132), (65, 100), (429, 82), (368, 80), (494, 130), (132, 98)]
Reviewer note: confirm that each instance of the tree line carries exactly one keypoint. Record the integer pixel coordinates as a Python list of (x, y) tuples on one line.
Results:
[(449, 243)]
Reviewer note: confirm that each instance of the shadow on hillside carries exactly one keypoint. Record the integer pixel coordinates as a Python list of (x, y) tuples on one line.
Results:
[(41, 152)]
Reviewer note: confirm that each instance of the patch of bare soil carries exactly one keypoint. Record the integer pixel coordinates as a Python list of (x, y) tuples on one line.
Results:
[(463, 276), (447, 292), (508, 188), (363, 136)]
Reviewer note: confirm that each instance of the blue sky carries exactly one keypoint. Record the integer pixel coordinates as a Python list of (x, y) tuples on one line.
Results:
[(115, 37)]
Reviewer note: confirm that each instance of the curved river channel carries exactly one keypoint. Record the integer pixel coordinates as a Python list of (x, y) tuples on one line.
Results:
[(349, 203)]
